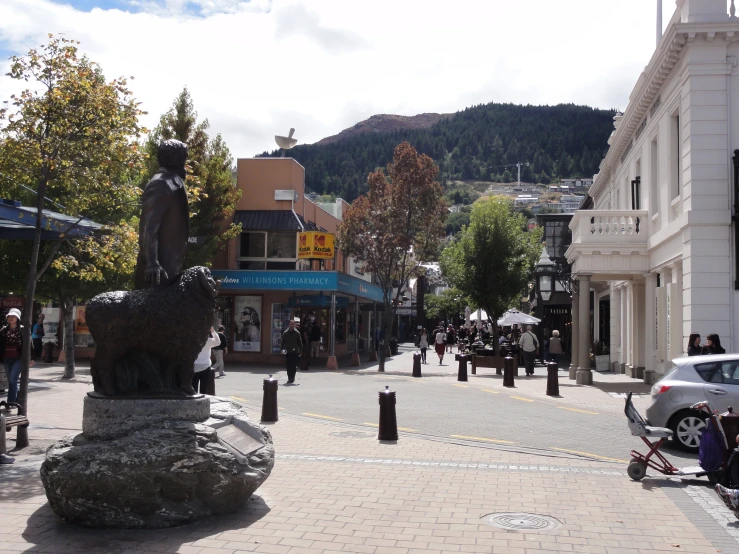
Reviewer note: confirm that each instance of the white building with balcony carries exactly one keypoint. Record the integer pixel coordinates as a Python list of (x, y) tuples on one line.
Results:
[(658, 250)]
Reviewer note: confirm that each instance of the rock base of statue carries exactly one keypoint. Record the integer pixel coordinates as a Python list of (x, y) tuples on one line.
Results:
[(154, 467)]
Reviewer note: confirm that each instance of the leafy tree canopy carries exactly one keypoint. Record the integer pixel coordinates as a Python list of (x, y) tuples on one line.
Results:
[(494, 257)]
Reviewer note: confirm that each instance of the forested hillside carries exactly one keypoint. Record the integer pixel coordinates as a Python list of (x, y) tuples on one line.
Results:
[(482, 143)]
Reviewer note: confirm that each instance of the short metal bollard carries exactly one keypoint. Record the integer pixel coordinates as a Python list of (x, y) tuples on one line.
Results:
[(552, 379), (3, 448), (269, 401), (462, 373), (417, 364), (508, 367), (388, 422)]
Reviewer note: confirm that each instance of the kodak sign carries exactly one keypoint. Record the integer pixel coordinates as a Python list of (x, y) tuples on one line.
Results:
[(314, 244)]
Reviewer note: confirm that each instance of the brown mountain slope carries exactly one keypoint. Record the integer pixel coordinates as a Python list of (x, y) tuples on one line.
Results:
[(387, 122)]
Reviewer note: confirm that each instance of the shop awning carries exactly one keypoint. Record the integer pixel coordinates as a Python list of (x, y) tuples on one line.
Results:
[(18, 223), (272, 220)]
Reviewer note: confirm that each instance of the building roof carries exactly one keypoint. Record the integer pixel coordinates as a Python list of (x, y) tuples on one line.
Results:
[(19, 223), (272, 220)]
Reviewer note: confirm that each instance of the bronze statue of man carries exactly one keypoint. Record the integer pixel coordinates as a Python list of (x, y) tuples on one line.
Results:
[(165, 219)]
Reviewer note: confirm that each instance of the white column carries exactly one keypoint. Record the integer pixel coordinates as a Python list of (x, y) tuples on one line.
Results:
[(678, 340), (650, 319), (584, 374), (615, 328)]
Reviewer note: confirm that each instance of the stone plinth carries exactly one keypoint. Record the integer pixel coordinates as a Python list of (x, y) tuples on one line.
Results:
[(167, 472), (106, 418)]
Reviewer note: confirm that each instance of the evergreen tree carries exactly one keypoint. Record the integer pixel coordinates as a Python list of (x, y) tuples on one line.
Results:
[(211, 186)]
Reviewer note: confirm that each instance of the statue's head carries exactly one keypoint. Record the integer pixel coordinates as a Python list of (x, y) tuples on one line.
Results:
[(172, 155)]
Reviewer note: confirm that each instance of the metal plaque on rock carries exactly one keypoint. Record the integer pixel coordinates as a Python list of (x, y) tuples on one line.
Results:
[(239, 442)]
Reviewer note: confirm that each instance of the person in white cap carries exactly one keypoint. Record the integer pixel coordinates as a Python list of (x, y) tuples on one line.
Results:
[(12, 346)]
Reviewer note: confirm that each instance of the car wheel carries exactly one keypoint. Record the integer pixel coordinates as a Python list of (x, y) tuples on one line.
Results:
[(687, 427)]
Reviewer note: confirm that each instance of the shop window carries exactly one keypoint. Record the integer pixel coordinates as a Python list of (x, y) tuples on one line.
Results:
[(282, 246), (252, 245)]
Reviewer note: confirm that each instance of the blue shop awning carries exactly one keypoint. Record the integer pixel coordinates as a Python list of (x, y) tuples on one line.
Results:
[(19, 223), (272, 220)]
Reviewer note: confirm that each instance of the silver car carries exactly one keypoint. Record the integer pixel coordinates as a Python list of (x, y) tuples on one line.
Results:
[(713, 378)]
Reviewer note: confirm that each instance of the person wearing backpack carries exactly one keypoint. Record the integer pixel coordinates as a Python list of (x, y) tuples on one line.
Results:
[(529, 345)]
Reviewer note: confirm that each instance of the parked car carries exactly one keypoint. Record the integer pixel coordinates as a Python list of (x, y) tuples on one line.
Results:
[(712, 378)]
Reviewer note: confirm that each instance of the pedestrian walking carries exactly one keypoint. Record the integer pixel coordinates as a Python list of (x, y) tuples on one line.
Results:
[(292, 346), (713, 345), (450, 339), (440, 343), (529, 345), (694, 345), (12, 346), (219, 351), (203, 366), (315, 339), (423, 343), (37, 334), (555, 347)]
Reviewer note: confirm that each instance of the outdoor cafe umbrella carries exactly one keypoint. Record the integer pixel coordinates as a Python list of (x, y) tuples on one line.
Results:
[(514, 317)]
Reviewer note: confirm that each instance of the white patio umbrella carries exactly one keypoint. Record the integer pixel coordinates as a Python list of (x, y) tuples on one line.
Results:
[(514, 317)]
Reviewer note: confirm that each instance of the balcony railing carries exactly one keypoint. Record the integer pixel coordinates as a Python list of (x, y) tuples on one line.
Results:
[(610, 227)]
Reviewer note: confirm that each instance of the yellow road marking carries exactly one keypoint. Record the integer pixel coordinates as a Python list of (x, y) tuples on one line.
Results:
[(482, 439), (240, 399), (590, 455), (456, 385), (322, 416), (399, 428), (490, 391), (576, 410), (521, 398)]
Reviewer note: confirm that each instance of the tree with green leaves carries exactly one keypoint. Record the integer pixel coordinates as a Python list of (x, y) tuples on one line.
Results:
[(64, 137), (494, 258), (397, 225), (446, 306), (210, 184)]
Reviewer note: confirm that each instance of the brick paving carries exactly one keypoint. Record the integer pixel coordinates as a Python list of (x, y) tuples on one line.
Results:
[(335, 488)]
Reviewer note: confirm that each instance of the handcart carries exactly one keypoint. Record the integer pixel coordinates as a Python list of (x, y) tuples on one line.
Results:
[(718, 462)]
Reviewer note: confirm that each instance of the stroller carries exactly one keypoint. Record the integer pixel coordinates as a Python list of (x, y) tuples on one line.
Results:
[(717, 461)]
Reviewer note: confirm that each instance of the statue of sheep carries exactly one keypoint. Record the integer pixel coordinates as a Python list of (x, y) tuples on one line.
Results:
[(147, 340)]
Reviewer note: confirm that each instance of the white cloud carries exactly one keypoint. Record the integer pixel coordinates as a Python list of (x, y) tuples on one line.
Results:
[(256, 69)]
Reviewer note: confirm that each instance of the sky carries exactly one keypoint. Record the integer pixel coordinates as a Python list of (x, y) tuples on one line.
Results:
[(255, 68)]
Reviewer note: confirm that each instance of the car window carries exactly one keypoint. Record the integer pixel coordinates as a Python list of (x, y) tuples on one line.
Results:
[(710, 372), (730, 372)]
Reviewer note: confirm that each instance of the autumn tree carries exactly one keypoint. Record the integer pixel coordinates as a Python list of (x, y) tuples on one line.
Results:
[(395, 226), (64, 137), (210, 183), (493, 259)]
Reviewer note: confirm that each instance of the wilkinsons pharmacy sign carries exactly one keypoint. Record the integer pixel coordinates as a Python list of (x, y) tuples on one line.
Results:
[(321, 281)]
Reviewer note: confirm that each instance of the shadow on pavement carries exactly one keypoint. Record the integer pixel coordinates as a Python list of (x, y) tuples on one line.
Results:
[(49, 533)]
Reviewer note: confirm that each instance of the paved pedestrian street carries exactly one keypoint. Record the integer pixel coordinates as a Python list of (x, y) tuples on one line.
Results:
[(336, 488)]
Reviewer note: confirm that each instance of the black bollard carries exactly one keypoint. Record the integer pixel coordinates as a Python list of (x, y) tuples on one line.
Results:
[(508, 366), (388, 422), (462, 373), (417, 364), (269, 401), (552, 379)]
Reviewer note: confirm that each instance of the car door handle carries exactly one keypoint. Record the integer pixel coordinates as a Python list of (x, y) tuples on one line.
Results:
[(717, 392)]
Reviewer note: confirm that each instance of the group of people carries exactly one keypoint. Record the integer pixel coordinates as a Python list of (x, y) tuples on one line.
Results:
[(712, 346)]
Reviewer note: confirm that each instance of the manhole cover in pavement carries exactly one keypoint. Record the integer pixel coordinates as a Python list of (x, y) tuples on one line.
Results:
[(352, 434), (516, 521)]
